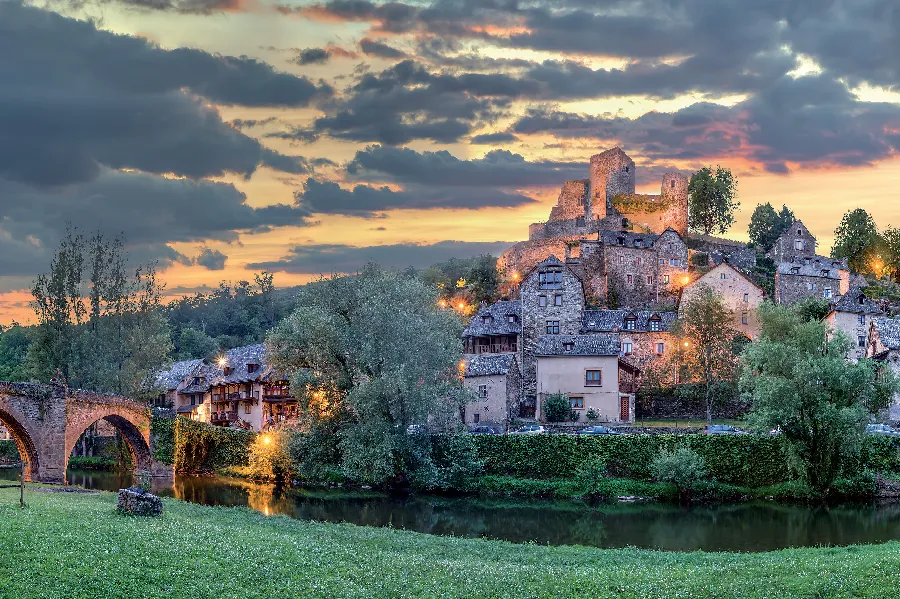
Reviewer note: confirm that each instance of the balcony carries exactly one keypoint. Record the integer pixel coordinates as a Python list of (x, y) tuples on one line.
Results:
[(223, 417), (496, 348)]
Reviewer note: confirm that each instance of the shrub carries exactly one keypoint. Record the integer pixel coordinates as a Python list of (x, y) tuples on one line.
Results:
[(700, 259), (456, 462), (201, 447), (682, 467), (592, 415), (557, 407), (574, 415), (269, 459), (162, 431)]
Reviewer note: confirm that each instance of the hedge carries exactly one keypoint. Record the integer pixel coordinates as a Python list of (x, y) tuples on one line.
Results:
[(201, 447), (8, 451), (162, 431), (743, 460)]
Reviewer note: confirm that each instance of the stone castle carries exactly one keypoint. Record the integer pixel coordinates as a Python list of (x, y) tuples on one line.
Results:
[(629, 246)]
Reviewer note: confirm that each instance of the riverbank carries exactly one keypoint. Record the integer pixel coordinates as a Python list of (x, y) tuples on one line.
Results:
[(195, 551)]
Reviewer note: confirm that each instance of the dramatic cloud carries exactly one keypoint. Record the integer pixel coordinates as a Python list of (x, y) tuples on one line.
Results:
[(499, 168), (498, 138), (333, 258), (312, 56), (372, 47), (211, 259), (326, 197)]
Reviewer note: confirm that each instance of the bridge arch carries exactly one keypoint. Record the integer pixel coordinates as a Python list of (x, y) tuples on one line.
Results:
[(23, 439), (133, 424)]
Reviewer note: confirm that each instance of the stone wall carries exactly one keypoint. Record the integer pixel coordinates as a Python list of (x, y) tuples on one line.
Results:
[(672, 264), (631, 275), (850, 324), (602, 185), (733, 288), (644, 353), (786, 246), (571, 201), (790, 289), (494, 408)]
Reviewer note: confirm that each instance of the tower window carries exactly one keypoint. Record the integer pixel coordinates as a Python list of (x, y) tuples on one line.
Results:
[(553, 327), (625, 168), (673, 183)]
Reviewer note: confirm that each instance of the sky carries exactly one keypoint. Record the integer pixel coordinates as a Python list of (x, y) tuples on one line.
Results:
[(225, 137)]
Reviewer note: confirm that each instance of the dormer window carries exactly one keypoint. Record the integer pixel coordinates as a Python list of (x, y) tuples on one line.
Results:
[(861, 299), (824, 272), (795, 270), (513, 318), (485, 318), (251, 368), (229, 370), (655, 324), (621, 240), (630, 324), (638, 243), (568, 346)]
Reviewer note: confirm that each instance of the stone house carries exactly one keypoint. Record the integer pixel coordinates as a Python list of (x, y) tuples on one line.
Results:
[(238, 389), (643, 335), (853, 314), (173, 379), (495, 329), (496, 383), (795, 241), (587, 369), (810, 276), (883, 345), (741, 295)]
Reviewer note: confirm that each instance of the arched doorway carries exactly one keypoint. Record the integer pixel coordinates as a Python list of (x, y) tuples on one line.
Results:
[(24, 443)]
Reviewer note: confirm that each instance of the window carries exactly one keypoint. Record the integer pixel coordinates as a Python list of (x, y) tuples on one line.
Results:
[(542, 300), (673, 183), (192, 400), (621, 259), (649, 279), (655, 325), (861, 341), (251, 368), (666, 279), (625, 168), (674, 262), (861, 299), (482, 391), (629, 279), (670, 246), (577, 403), (630, 324), (568, 346), (579, 221), (744, 318), (476, 418), (810, 286), (746, 297), (593, 378), (637, 261), (861, 319), (723, 276), (827, 291), (662, 261), (553, 327), (638, 243), (626, 347), (621, 240), (512, 318), (229, 370), (485, 318), (799, 231), (660, 348), (798, 244), (557, 300), (550, 280), (581, 200), (246, 407)]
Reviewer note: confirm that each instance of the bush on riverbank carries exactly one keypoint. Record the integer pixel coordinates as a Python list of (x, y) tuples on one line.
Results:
[(93, 463), (201, 447)]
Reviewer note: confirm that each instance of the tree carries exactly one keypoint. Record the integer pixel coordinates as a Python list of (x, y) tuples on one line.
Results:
[(14, 343), (798, 380), (766, 225), (812, 309), (683, 467), (857, 240), (375, 346), (891, 251), (194, 344), (706, 332), (557, 407), (712, 200)]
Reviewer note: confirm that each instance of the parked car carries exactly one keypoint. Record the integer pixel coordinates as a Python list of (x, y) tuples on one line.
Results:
[(722, 429), (484, 430), (529, 429), (881, 429), (598, 430)]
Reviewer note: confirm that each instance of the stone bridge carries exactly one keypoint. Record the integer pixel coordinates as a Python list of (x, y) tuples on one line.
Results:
[(46, 421)]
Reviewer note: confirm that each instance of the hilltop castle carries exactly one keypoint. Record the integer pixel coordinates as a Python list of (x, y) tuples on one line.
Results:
[(634, 241)]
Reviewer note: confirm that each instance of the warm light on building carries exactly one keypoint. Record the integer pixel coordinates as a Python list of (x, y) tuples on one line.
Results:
[(222, 361), (267, 439), (442, 304)]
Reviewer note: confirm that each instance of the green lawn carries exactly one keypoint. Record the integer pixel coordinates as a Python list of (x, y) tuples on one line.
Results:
[(75, 545)]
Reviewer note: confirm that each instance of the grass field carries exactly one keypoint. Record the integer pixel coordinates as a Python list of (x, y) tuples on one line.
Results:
[(66, 545)]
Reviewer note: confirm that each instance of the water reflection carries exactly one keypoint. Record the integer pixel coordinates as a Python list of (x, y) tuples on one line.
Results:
[(759, 526)]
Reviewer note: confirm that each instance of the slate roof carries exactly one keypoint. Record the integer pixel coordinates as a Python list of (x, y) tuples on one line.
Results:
[(497, 323), (489, 364), (888, 331), (816, 267), (628, 238), (581, 345), (238, 358), (170, 378), (608, 321), (855, 301)]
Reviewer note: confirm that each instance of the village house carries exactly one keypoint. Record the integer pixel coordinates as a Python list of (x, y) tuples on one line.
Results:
[(171, 380), (801, 273), (740, 295), (883, 345), (588, 370), (853, 314), (496, 382), (643, 334)]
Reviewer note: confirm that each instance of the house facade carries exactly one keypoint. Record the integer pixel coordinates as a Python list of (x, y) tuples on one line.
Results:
[(801, 273), (883, 345), (853, 314), (496, 382), (741, 295)]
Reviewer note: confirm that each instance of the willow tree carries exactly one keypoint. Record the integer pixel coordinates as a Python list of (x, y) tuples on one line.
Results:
[(799, 380), (377, 349)]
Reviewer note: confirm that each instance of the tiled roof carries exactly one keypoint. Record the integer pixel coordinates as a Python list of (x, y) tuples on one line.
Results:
[(628, 238), (816, 266), (494, 320), (489, 364), (608, 321), (855, 301), (551, 260), (578, 345), (170, 378), (888, 331)]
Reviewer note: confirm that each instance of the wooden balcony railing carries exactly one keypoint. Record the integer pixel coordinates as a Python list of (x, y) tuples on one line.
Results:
[(496, 348)]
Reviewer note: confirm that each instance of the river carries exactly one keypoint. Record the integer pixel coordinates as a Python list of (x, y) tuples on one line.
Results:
[(754, 526)]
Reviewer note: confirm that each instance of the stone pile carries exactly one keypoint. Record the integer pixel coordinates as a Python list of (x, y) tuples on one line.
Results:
[(138, 502)]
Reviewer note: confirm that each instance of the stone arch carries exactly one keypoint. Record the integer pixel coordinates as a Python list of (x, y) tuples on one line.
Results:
[(134, 429), (24, 442)]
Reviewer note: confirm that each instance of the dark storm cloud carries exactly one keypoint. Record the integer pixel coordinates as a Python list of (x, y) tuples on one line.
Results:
[(211, 259), (371, 47), (326, 197), (499, 168), (812, 119), (498, 138), (333, 258), (182, 6), (312, 56), (75, 99)]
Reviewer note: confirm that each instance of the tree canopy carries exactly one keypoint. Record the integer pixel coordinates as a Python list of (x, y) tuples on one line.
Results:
[(857, 240), (766, 225), (712, 202)]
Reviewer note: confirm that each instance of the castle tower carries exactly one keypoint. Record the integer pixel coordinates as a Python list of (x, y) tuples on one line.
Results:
[(674, 195), (611, 172)]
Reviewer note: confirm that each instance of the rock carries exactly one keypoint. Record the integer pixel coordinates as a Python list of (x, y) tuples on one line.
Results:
[(139, 502)]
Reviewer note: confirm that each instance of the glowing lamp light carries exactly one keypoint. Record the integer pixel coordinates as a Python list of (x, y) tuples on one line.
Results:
[(515, 276), (442, 304), (686, 344), (222, 361), (267, 439), (686, 279), (461, 305)]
